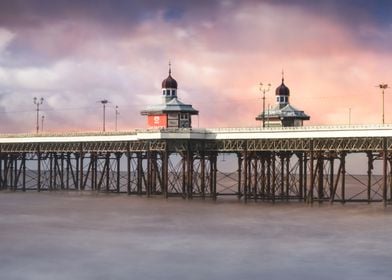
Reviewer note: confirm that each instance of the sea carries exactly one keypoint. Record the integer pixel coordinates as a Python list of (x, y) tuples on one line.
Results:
[(90, 235)]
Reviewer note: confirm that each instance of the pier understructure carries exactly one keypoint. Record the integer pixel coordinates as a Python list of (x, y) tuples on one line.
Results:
[(272, 165)]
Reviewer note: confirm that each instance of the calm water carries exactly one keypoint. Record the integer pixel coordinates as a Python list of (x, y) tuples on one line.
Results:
[(77, 235)]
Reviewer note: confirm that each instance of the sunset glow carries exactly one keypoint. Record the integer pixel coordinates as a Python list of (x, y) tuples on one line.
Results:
[(75, 53)]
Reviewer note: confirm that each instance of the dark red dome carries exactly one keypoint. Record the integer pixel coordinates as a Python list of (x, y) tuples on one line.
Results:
[(169, 82), (282, 89)]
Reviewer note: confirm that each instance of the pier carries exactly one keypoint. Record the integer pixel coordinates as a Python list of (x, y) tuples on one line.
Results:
[(305, 164)]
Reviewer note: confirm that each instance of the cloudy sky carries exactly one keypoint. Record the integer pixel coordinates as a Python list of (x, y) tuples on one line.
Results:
[(74, 53)]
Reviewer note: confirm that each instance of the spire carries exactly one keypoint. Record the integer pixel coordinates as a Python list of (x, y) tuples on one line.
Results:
[(282, 90), (169, 82), (169, 68)]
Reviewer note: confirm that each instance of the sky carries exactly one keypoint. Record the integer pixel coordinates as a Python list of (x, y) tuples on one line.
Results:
[(75, 53)]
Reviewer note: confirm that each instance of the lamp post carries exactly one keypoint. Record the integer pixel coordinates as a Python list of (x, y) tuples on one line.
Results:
[(269, 108), (38, 102), (117, 114), (383, 87), (103, 102), (263, 90), (42, 123)]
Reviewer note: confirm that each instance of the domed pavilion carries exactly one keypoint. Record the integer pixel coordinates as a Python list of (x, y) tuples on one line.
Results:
[(283, 114), (171, 113)]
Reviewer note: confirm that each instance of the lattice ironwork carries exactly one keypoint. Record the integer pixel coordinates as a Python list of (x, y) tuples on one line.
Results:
[(312, 170)]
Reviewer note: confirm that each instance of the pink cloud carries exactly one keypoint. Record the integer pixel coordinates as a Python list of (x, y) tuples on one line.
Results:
[(218, 62)]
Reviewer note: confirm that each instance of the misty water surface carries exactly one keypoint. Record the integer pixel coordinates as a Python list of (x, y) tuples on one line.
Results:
[(77, 235)]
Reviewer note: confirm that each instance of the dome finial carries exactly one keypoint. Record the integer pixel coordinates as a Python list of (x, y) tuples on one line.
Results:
[(169, 68), (282, 90), (169, 82)]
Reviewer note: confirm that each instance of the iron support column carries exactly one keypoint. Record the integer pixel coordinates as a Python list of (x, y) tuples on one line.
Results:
[(128, 169), (81, 186), (107, 171), (246, 166), (118, 160), (273, 186), (320, 167), (331, 175), (24, 172), (139, 180), (301, 175), (385, 172), (239, 192), (343, 186), (38, 169), (288, 177), (165, 173), (203, 174), (311, 179), (369, 176)]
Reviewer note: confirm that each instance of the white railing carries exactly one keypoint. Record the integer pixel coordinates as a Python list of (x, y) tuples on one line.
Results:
[(68, 134), (204, 130), (301, 128)]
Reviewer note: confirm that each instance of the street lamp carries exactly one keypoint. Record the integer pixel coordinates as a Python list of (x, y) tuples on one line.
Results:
[(38, 102), (103, 102), (42, 123), (117, 114), (383, 87), (263, 90)]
